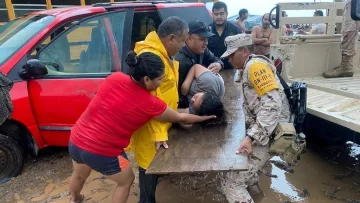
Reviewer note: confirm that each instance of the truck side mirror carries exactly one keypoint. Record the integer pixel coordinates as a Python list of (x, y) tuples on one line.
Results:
[(33, 69), (355, 10)]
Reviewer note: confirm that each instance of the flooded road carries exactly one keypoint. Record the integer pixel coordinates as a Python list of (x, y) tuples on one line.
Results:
[(314, 180)]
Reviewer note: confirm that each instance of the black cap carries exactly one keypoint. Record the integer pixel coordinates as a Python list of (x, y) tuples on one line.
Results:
[(200, 28)]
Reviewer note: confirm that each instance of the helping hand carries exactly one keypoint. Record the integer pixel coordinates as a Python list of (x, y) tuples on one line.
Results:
[(215, 67), (162, 143), (205, 118), (245, 145)]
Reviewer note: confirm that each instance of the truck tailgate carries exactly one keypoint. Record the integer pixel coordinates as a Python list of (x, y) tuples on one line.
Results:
[(336, 100), (202, 149)]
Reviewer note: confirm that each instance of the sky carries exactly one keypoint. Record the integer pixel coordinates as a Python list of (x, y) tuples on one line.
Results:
[(254, 8)]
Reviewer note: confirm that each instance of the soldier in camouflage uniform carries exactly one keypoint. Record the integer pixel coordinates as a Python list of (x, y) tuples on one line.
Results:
[(349, 38), (265, 105)]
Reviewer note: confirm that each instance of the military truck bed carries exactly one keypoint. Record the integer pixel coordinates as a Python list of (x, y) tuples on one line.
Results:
[(305, 58), (336, 100)]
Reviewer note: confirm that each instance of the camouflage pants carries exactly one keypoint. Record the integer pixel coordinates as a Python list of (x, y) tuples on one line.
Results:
[(349, 32), (234, 184)]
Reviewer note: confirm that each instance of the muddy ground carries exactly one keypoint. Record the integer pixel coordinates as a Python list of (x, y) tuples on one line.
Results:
[(320, 176)]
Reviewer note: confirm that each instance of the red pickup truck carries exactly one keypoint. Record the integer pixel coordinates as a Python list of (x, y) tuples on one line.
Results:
[(58, 58)]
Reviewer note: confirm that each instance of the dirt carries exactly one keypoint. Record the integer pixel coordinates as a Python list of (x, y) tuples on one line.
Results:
[(314, 180)]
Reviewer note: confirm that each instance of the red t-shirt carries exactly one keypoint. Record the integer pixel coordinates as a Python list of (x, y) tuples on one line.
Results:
[(119, 108)]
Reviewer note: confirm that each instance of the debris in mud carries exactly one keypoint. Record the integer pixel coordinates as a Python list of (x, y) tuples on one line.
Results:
[(270, 175), (59, 196), (341, 176), (352, 201), (334, 189), (282, 165), (304, 193), (200, 185)]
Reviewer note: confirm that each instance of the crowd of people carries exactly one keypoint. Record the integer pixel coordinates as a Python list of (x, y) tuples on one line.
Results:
[(175, 79)]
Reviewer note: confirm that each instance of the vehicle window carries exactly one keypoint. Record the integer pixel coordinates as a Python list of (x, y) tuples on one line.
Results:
[(84, 48), (57, 32), (143, 23), (187, 13), (15, 34)]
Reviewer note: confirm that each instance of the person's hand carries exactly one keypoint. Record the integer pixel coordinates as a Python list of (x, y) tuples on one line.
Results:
[(245, 145), (215, 67), (264, 39), (162, 143), (205, 118)]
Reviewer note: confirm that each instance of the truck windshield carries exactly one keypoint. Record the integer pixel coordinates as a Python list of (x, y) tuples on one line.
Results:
[(15, 34)]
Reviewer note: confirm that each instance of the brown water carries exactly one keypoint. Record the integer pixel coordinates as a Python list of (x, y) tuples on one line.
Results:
[(45, 179)]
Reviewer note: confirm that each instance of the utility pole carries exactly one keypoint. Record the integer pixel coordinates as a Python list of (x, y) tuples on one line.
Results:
[(10, 9)]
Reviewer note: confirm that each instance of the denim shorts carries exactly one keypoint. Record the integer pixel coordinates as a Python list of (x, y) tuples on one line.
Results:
[(103, 164)]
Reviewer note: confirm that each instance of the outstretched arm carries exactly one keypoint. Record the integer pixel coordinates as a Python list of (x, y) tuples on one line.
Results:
[(171, 116), (187, 82), (195, 71)]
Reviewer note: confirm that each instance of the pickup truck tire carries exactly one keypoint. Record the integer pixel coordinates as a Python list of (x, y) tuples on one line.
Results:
[(11, 158)]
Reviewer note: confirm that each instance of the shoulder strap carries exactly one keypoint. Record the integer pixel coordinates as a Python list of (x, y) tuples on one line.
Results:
[(286, 87)]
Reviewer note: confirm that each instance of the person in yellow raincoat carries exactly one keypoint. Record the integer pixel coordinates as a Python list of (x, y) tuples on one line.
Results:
[(166, 43)]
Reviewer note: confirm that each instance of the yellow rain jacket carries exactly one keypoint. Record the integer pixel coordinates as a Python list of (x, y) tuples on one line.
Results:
[(143, 140)]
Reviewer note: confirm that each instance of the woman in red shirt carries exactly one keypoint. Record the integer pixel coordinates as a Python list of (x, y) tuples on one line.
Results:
[(122, 104)]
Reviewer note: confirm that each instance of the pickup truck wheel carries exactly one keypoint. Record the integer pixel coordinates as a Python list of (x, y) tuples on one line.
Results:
[(11, 158)]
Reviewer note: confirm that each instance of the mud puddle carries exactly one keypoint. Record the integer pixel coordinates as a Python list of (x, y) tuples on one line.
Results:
[(314, 179)]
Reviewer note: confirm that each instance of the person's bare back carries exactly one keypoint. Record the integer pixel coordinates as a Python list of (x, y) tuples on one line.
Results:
[(240, 23), (262, 40)]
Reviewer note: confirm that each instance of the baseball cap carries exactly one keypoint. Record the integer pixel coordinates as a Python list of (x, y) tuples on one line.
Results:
[(236, 41), (200, 28)]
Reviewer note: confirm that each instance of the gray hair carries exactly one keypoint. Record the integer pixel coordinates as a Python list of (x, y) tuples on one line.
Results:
[(172, 25)]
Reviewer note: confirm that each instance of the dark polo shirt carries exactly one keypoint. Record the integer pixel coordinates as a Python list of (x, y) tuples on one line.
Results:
[(216, 43)]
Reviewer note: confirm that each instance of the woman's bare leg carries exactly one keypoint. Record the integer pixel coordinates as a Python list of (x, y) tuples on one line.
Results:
[(124, 180), (80, 174)]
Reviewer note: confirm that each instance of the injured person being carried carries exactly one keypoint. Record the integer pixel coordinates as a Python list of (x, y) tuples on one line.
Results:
[(204, 90)]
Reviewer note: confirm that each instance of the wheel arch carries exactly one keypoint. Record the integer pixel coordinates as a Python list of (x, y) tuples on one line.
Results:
[(20, 133)]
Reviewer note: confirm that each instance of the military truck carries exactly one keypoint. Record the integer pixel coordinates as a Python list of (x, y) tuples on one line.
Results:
[(333, 105)]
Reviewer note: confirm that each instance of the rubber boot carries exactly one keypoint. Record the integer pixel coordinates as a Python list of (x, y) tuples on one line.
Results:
[(344, 70)]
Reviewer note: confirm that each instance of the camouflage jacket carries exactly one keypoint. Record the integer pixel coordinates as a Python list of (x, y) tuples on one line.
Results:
[(263, 111)]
